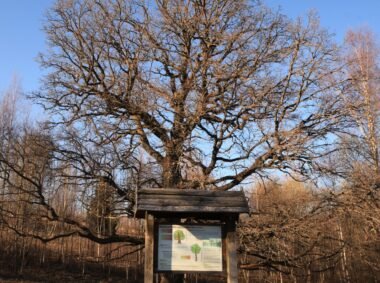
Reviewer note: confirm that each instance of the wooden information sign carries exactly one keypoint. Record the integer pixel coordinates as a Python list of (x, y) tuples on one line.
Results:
[(190, 231)]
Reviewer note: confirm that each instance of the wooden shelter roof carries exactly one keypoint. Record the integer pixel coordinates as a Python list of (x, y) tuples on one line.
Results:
[(190, 202)]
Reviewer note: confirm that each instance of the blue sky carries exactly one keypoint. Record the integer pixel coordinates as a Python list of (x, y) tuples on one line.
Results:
[(21, 40), (336, 15), (22, 37)]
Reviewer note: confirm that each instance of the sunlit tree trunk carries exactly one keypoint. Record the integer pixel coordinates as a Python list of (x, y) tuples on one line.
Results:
[(363, 55)]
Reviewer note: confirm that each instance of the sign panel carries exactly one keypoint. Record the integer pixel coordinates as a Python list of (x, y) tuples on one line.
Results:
[(189, 248)]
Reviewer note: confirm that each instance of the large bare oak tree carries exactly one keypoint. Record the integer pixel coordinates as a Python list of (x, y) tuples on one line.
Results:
[(211, 92)]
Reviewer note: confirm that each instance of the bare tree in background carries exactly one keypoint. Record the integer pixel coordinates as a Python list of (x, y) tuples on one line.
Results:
[(8, 120), (37, 196), (363, 94), (292, 235), (356, 198), (361, 154), (302, 234)]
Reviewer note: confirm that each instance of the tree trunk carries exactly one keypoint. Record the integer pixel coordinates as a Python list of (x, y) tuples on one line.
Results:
[(171, 178), (171, 174)]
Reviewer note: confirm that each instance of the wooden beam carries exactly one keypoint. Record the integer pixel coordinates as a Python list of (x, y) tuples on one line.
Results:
[(193, 209), (149, 248), (163, 200), (190, 192), (231, 260)]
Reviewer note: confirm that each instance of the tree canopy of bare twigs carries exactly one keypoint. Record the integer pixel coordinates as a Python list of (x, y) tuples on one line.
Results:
[(219, 90)]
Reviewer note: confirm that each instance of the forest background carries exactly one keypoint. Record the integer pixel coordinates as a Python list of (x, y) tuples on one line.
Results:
[(211, 95)]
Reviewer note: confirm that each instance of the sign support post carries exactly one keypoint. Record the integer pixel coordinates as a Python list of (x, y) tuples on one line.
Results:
[(149, 248), (232, 270)]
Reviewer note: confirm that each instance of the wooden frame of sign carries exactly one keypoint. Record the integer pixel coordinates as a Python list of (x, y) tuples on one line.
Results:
[(193, 212)]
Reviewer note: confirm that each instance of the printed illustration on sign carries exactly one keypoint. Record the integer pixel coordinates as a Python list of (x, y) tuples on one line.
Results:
[(179, 236), (196, 249), (189, 248)]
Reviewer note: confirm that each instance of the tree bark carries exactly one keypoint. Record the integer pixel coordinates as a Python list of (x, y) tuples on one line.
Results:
[(171, 178)]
